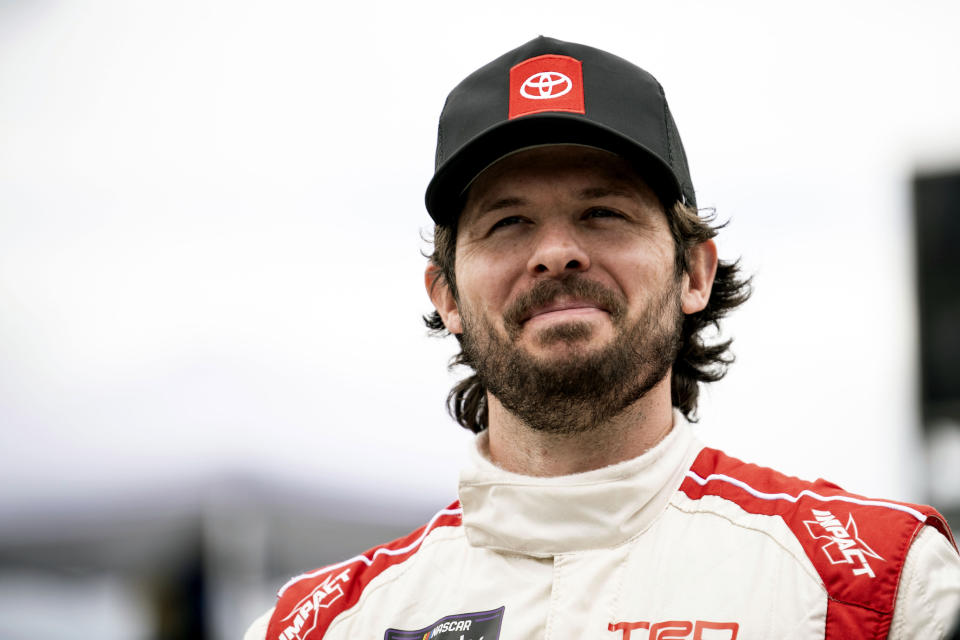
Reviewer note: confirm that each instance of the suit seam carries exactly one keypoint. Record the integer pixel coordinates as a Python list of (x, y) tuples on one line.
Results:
[(558, 570), (914, 582)]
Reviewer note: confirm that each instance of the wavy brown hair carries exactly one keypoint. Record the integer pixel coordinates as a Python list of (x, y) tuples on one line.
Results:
[(698, 359)]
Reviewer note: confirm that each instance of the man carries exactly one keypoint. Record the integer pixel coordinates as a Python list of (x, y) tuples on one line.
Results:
[(572, 266)]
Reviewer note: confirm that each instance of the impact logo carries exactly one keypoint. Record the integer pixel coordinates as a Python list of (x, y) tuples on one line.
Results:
[(304, 615), (843, 545)]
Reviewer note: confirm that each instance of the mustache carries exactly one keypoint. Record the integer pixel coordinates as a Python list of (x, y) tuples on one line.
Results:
[(546, 291)]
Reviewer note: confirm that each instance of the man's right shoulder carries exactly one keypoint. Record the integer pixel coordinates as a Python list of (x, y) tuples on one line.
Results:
[(307, 604)]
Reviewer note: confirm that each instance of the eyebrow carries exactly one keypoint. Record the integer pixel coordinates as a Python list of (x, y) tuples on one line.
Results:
[(591, 193), (504, 203), (585, 194)]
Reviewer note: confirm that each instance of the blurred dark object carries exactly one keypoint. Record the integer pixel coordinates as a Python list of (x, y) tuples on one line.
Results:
[(937, 231), (936, 200), (179, 600)]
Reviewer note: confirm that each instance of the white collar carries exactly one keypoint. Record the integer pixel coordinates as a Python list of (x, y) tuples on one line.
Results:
[(595, 509)]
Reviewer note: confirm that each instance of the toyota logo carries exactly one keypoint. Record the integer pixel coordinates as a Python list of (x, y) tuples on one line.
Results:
[(546, 85)]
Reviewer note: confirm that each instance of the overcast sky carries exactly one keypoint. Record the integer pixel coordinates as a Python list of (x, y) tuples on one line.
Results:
[(211, 221)]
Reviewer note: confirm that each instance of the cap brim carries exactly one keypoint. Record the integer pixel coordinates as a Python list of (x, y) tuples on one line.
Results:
[(446, 192)]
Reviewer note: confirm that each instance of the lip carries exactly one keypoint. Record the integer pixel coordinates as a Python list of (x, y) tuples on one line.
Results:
[(574, 307)]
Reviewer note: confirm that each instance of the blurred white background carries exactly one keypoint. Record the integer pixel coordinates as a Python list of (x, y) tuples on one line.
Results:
[(211, 228)]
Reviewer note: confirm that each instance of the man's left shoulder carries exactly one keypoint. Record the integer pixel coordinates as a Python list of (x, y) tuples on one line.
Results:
[(857, 544), (759, 489)]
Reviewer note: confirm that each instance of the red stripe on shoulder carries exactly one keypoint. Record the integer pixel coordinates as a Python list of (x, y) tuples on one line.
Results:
[(857, 544), (309, 603)]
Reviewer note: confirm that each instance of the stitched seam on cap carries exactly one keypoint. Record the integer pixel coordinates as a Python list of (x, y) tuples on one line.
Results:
[(439, 143), (666, 132)]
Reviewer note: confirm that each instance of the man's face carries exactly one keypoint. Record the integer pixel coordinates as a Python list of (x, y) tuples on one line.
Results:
[(567, 292)]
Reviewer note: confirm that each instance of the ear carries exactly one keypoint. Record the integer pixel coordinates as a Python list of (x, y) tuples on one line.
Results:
[(698, 279), (442, 298)]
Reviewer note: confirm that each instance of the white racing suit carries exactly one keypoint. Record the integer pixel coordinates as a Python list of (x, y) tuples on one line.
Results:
[(681, 542)]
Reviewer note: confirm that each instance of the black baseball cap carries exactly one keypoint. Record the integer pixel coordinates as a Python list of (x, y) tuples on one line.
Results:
[(547, 92)]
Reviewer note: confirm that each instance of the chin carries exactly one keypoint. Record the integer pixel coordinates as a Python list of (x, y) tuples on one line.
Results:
[(570, 335)]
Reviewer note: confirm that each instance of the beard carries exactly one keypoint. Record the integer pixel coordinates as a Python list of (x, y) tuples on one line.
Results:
[(578, 391)]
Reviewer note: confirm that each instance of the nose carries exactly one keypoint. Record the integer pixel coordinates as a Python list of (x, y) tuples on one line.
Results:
[(557, 252)]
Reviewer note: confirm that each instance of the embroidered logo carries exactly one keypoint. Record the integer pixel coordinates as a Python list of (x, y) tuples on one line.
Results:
[(303, 618), (843, 545), (546, 83), (677, 629), (482, 625)]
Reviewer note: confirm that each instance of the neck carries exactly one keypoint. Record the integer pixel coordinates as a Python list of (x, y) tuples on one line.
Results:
[(516, 447)]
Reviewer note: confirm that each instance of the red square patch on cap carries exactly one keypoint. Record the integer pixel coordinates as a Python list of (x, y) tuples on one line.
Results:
[(546, 83)]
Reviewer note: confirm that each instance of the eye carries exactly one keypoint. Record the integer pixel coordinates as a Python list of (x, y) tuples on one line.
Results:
[(506, 222), (602, 212)]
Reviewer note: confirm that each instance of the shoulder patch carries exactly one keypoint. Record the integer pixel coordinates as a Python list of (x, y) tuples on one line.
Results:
[(309, 603), (857, 544)]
